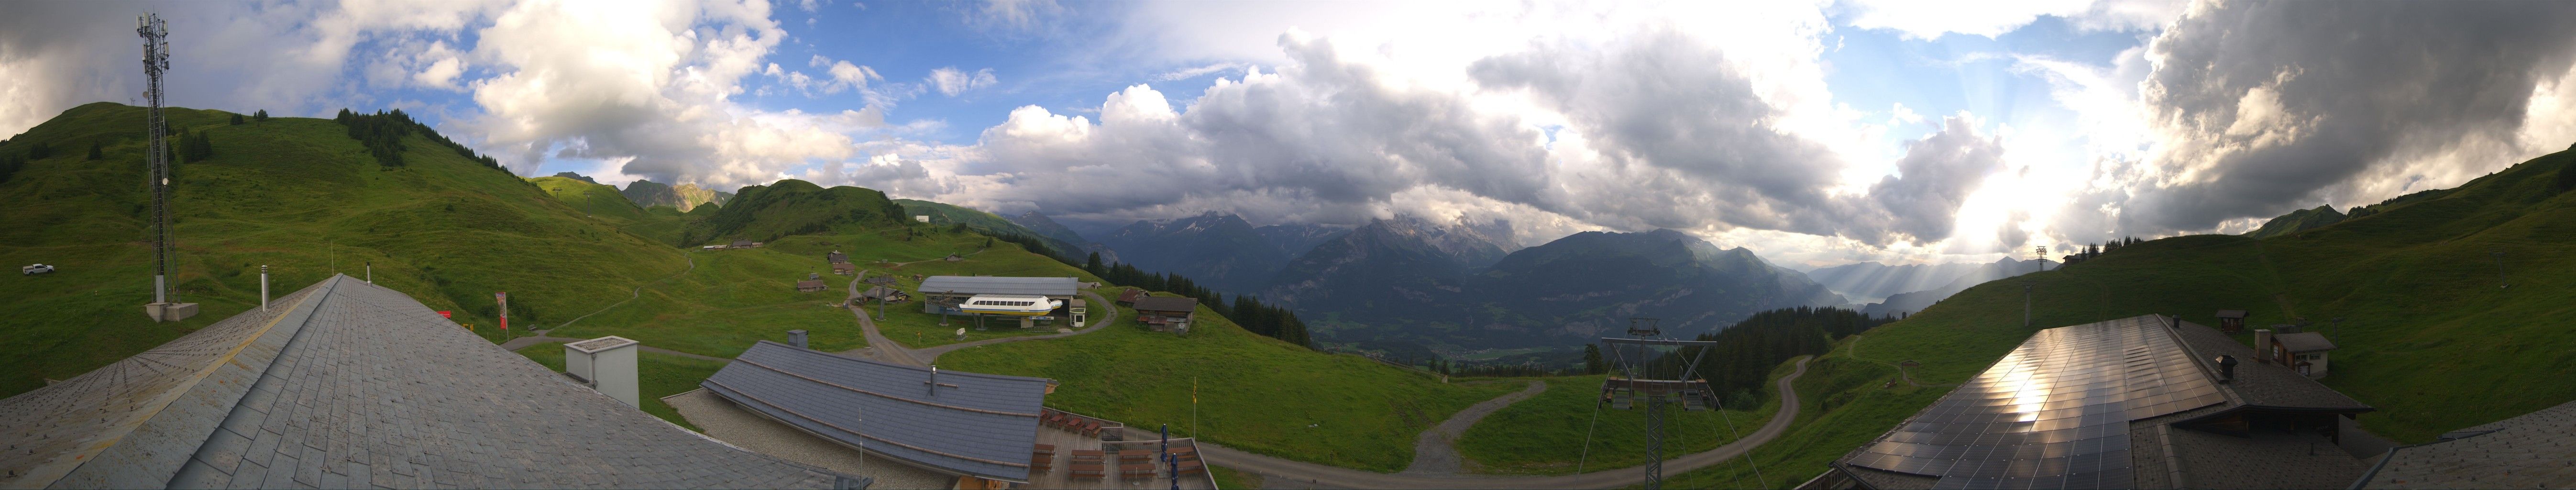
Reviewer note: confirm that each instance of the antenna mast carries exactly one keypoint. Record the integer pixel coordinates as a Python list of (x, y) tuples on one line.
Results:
[(156, 151)]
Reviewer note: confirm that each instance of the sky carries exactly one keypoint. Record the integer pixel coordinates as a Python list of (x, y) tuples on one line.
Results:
[(1812, 133)]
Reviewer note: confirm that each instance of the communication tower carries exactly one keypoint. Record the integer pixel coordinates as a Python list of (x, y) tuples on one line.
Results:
[(156, 151)]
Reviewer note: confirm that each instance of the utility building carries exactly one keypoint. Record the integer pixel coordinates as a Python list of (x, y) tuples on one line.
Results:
[(947, 292), (2304, 352), (2231, 321)]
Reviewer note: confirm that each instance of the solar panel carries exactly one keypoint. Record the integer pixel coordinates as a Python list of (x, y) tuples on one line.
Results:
[(2054, 413)]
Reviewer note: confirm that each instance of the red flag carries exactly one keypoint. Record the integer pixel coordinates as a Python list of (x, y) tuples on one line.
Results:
[(445, 314)]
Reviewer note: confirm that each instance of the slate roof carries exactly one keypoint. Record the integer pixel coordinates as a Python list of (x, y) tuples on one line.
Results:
[(2262, 384), (960, 423), (1165, 303), (348, 385), (972, 285), (2304, 342), (2534, 450), (2160, 454)]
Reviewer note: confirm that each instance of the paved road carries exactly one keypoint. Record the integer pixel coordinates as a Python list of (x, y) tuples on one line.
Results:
[(1279, 470), (1435, 453)]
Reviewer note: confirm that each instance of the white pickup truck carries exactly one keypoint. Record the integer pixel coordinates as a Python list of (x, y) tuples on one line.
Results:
[(34, 269)]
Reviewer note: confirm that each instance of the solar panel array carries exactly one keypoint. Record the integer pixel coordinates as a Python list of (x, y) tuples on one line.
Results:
[(2054, 413)]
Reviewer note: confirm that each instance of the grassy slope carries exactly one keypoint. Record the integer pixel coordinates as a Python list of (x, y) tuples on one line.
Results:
[(732, 299), (944, 214), (2429, 337), (656, 374), (1537, 436), (296, 194), (1254, 393), (598, 200)]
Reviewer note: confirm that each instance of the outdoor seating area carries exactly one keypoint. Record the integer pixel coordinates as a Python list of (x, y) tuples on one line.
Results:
[(1070, 454)]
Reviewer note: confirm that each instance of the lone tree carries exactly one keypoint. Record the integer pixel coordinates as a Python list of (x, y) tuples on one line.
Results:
[(237, 119), (262, 115)]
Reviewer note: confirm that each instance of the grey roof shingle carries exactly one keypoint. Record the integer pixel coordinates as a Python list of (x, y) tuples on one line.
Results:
[(2534, 450), (348, 384), (962, 423), (969, 285), (1164, 303), (2304, 342), (2261, 384)]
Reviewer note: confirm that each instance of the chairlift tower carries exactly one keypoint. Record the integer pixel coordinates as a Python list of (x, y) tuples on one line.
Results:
[(1643, 381), (156, 151)]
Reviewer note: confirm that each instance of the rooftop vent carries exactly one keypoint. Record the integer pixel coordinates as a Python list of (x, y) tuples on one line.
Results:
[(2226, 369), (606, 364), (796, 338)]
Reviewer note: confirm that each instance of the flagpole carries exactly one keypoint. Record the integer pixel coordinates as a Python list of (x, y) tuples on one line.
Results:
[(1194, 405)]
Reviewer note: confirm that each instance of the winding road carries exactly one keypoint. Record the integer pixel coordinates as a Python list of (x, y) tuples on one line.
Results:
[(1276, 469)]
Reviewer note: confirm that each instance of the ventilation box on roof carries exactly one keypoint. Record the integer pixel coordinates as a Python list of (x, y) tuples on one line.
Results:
[(607, 364)]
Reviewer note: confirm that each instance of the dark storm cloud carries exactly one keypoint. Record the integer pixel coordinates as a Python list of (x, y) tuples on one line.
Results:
[(2278, 104)]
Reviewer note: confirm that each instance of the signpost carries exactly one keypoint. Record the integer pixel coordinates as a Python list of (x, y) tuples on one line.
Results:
[(504, 299)]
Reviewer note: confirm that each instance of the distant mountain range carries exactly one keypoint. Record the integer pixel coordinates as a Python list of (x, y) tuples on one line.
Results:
[(1219, 251), (1040, 224), (1409, 282), (648, 193), (1914, 301), (1872, 281)]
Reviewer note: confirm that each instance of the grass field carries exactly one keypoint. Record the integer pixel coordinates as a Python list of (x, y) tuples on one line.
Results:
[(732, 299), (657, 375), (1546, 434), (1254, 393), (298, 195)]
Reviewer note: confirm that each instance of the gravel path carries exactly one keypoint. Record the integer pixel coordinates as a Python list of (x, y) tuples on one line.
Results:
[(1436, 451), (733, 425)]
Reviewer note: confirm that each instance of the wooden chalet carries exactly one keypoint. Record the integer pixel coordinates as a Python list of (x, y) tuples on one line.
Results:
[(2231, 321), (808, 286), (1166, 314)]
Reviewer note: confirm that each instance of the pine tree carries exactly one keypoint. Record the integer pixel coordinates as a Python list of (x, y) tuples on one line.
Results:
[(262, 115), (237, 119), (1592, 359), (1093, 264)]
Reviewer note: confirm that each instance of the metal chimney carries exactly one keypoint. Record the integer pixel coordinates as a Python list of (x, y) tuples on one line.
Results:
[(2226, 369), (2263, 345), (796, 338)]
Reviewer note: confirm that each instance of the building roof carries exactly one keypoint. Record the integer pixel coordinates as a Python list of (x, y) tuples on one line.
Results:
[(2303, 342), (972, 285), (1166, 303), (982, 425), (2262, 384), (836, 257), (810, 284), (2053, 413), (346, 384), (2231, 313), (742, 243), (2097, 405), (874, 292), (1130, 294), (2529, 451)]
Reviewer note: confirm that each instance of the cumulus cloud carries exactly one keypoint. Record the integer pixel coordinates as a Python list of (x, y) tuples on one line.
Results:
[(2263, 107), (952, 81), (1930, 20), (650, 81), (1935, 177)]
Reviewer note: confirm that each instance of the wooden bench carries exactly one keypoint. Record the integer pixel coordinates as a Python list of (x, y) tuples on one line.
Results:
[(1088, 471), (1092, 456), (1138, 471), (1042, 457), (1190, 467)]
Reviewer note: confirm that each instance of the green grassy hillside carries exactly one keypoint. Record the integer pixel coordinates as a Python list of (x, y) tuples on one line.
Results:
[(2429, 337), (790, 207), (298, 195), (1254, 392), (599, 200), (948, 214)]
